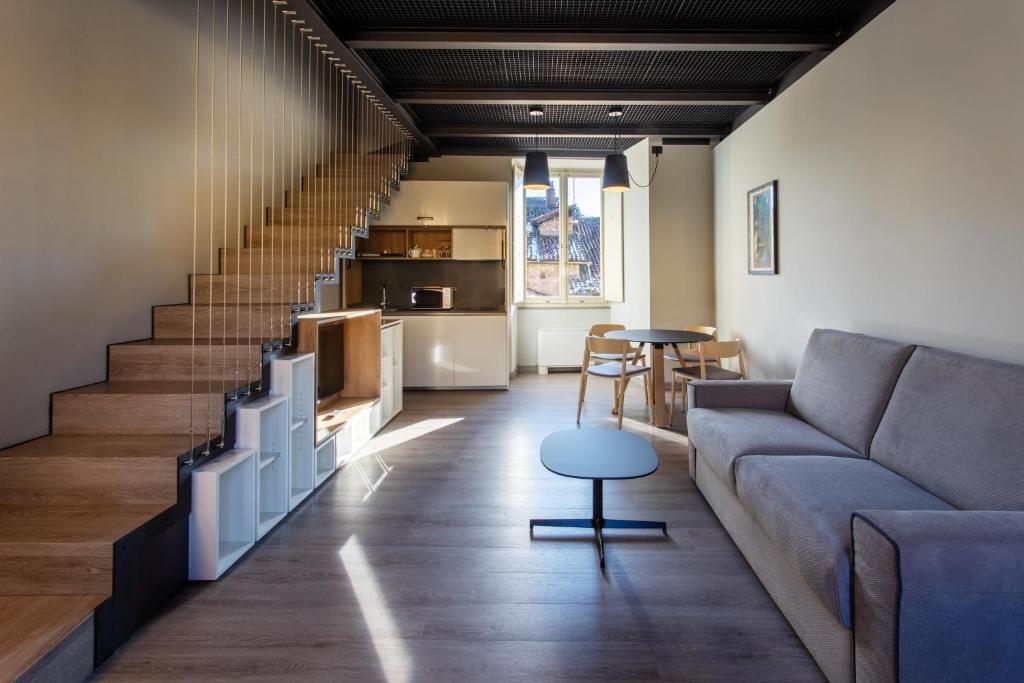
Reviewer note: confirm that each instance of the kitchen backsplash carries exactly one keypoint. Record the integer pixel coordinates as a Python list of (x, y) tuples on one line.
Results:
[(478, 284)]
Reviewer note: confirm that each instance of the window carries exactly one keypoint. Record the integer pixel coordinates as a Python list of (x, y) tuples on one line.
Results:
[(563, 240)]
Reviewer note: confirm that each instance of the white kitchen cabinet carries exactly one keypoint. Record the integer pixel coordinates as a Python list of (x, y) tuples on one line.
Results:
[(427, 352), (448, 202), (481, 351), (478, 244), (391, 372), (448, 350)]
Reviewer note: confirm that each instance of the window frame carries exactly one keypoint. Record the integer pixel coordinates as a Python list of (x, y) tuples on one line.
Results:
[(563, 299)]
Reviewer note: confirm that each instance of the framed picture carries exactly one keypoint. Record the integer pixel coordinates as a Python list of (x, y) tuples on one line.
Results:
[(763, 230)]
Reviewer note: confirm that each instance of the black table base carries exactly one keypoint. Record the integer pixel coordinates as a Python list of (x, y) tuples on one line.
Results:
[(598, 523)]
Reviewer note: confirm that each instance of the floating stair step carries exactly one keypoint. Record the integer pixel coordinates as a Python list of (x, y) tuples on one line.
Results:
[(138, 408), (329, 195), (175, 321), (31, 626), (64, 550), (270, 289), (169, 359), (110, 479), (309, 261), (299, 218)]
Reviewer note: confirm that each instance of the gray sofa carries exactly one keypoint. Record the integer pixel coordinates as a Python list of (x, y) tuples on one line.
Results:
[(878, 496)]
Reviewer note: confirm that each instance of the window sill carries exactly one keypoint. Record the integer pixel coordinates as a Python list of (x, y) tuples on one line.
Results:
[(588, 304)]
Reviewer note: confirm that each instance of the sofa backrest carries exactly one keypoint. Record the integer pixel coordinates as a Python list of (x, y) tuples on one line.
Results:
[(844, 382), (955, 427)]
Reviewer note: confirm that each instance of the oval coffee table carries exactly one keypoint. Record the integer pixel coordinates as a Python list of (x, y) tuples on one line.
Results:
[(598, 454)]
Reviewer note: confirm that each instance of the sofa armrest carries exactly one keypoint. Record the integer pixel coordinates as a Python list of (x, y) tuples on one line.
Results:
[(753, 394), (938, 595)]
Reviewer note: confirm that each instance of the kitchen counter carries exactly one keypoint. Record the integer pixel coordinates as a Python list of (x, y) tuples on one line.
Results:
[(394, 313)]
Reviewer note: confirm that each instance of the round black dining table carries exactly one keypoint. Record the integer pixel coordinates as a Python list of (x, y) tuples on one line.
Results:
[(658, 339)]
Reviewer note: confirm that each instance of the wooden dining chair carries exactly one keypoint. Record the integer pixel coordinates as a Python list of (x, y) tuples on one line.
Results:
[(688, 353), (620, 370), (709, 366), (635, 352)]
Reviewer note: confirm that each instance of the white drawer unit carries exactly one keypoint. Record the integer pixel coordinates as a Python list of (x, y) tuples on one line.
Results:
[(448, 350), (295, 377)]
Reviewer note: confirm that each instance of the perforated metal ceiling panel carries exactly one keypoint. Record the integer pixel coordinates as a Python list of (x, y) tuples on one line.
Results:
[(514, 143), (575, 115), (603, 68), (590, 14)]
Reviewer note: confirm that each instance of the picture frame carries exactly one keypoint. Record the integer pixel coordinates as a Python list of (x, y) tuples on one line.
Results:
[(763, 229)]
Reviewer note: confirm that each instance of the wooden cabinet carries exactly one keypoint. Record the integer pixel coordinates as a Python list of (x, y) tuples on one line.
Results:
[(478, 244), (449, 350)]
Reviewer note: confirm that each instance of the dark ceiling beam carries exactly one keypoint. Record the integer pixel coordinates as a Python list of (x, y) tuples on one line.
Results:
[(661, 41), (545, 131), (579, 96), (455, 150)]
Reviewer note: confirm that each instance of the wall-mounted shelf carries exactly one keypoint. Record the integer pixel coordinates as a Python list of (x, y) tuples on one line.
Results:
[(462, 242), (263, 425), (221, 524)]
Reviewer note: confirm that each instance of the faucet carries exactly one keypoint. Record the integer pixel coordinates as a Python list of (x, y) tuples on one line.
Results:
[(383, 294)]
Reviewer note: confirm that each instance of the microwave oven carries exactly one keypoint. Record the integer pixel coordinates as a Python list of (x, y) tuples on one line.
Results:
[(433, 297)]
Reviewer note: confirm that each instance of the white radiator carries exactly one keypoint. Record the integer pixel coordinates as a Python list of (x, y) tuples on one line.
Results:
[(559, 349)]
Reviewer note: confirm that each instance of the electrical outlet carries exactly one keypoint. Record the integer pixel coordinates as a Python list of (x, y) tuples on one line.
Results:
[(656, 150)]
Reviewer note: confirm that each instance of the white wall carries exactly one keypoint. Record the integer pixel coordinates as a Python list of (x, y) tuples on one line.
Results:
[(533, 319), (682, 245), (96, 185), (635, 309), (900, 165)]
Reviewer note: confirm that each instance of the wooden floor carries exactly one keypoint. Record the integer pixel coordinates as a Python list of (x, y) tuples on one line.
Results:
[(428, 572)]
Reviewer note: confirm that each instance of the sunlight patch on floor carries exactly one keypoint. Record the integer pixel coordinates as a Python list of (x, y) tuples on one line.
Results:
[(387, 641)]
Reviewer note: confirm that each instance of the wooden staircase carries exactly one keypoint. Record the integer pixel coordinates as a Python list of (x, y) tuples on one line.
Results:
[(113, 474)]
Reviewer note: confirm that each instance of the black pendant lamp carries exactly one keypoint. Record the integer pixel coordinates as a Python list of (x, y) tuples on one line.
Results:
[(616, 170), (535, 175)]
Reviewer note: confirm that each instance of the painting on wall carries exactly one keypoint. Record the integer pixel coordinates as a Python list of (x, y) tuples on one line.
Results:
[(763, 230)]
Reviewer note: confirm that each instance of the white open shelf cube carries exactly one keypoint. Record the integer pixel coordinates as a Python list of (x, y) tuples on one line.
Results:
[(295, 378), (222, 522), (326, 460), (265, 426)]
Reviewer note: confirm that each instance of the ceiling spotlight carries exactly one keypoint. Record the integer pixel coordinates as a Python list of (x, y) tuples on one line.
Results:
[(615, 112), (536, 110)]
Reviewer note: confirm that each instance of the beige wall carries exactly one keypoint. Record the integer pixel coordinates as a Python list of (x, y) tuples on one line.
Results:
[(900, 166), (668, 254), (682, 245), (96, 185), (635, 308)]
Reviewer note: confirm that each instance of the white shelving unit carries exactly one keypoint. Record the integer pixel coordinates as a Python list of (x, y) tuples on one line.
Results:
[(326, 460), (221, 525), (295, 378), (265, 426)]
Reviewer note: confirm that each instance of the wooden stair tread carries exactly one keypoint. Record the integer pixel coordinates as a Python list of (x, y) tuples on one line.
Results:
[(169, 446), (32, 625), (44, 524), (199, 341), (147, 387)]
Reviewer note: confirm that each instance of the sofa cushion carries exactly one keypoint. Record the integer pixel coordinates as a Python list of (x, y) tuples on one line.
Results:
[(955, 427), (805, 504), (722, 435), (844, 382)]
